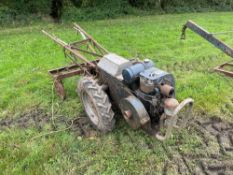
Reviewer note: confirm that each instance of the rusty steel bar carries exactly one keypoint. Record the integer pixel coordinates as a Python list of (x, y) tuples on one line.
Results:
[(86, 38), (68, 47), (222, 70), (80, 42), (208, 36), (78, 28), (64, 72), (213, 40), (87, 52), (61, 73)]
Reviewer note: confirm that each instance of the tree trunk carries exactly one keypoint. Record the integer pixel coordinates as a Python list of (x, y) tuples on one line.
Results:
[(56, 10)]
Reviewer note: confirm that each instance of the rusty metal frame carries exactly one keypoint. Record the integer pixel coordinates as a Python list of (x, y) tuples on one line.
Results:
[(213, 40), (61, 73), (221, 69), (84, 60)]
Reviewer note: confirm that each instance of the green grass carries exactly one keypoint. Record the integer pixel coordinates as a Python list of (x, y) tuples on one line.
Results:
[(26, 56)]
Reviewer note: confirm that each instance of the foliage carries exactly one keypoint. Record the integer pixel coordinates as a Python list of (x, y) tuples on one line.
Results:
[(22, 11), (92, 10), (197, 5), (6, 14), (12, 11), (28, 6)]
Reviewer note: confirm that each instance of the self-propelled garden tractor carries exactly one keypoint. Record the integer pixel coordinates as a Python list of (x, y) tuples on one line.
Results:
[(143, 93)]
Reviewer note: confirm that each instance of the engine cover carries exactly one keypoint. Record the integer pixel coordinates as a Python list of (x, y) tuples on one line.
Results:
[(154, 77), (113, 64), (158, 76)]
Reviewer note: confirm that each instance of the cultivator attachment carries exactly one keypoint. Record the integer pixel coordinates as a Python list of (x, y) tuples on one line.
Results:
[(84, 50), (84, 54), (225, 68)]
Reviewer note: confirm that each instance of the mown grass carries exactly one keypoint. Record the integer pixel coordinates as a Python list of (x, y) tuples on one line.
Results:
[(26, 56)]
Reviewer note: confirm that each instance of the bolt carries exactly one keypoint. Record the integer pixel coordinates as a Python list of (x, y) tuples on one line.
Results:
[(146, 60), (128, 114)]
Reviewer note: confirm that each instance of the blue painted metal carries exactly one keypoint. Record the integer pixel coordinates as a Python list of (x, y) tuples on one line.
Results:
[(131, 73)]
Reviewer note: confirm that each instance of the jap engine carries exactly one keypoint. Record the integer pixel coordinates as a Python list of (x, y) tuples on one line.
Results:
[(151, 85)]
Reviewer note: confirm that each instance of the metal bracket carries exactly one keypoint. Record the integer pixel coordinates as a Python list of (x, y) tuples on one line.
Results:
[(61, 73), (224, 71), (66, 72)]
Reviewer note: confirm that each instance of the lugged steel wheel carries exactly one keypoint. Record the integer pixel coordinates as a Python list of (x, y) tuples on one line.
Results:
[(96, 104)]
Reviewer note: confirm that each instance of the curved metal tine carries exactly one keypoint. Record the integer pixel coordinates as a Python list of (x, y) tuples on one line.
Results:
[(182, 120), (167, 123)]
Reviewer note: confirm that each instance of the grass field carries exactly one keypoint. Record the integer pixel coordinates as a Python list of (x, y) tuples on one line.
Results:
[(27, 144)]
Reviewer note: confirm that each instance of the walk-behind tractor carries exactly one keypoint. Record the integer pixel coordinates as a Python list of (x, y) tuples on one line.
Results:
[(144, 94)]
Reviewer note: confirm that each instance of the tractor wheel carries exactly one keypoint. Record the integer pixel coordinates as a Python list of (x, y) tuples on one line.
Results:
[(96, 104)]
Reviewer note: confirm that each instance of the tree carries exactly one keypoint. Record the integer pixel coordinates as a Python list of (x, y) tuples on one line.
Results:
[(56, 10)]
